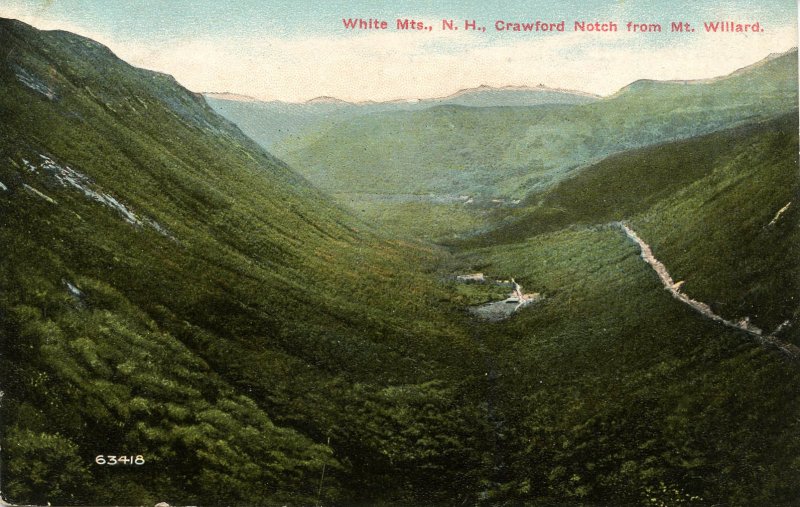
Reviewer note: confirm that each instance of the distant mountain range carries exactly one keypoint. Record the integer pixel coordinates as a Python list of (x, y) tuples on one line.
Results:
[(504, 153), (271, 122), (479, 96), (185, 317)]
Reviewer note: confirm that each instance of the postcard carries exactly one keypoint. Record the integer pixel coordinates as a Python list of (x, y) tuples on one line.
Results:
[(399, 253)]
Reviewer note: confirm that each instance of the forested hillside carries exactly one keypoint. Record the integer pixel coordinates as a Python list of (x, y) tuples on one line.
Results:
[(450, 166), (186, 318), (610, 391), (172, 291)]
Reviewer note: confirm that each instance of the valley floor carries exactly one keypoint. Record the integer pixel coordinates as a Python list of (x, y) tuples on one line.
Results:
[(171, 291)]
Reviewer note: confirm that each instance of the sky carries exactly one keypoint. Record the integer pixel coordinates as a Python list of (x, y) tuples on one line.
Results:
[(298, 50)]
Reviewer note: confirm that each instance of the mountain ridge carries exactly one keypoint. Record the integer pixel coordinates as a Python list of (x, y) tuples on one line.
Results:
[(502, 88), (172, 291), (500, 155), (157, 263), (743, 70), (327, 99)]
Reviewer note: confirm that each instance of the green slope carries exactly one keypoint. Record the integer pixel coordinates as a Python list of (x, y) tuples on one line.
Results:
[(612, 392), (170, 290), (271, 123), (706, 204), (741, 258), (506, 153), (511, 151)]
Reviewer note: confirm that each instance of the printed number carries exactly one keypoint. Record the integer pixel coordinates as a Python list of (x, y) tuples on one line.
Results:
[(107, 459)]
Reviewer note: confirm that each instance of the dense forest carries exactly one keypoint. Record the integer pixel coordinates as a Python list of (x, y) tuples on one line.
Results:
[(174, 295)]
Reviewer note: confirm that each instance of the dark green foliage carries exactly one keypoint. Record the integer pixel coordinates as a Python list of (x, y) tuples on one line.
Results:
[(630, 183), (43, 466), (508, 152), (243, 333), (742, 256), (224, 344), (609, 390), (735, 258)]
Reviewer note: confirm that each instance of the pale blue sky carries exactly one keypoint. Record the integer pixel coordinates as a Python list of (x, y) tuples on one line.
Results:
[(164, 18), (293, 50)]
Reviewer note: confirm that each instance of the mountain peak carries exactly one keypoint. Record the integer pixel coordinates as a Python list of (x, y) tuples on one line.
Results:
[(326, 99), (773, 58), (231, 96), (540, 88)]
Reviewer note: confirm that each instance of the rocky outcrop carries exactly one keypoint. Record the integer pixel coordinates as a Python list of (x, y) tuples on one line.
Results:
[(743, 324)]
